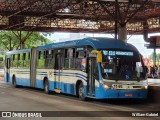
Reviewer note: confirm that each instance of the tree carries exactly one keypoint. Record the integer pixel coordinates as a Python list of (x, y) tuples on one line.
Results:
[(20, 39), (6, 39), (157, 57)]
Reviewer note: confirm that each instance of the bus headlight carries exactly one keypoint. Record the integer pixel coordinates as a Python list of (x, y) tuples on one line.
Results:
[(105, 86), (146, 87)]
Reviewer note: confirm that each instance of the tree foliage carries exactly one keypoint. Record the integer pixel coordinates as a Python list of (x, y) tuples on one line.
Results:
[(157, 56), (7, 38), (10, 40)]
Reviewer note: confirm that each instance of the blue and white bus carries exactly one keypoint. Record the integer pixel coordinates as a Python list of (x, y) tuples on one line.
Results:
[(100, 68)]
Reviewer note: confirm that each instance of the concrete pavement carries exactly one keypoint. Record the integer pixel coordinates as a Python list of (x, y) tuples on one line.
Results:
[(25, 99)]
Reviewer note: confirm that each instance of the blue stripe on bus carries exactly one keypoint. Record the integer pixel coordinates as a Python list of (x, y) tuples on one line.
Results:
[(40, 84), (41, 74), (28, 72), (77, 74), (23, 82), (72, 75), (65, 87), (23, 73)]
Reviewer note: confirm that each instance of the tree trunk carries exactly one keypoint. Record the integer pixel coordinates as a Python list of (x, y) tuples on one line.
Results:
[(22, 45)]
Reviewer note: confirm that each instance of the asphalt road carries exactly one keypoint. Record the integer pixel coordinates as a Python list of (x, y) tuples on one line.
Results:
[(25, 99)]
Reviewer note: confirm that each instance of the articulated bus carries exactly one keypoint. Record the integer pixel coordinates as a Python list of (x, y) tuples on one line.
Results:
[(100, 68)]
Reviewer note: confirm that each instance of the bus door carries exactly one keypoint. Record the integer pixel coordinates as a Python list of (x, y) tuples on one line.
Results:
[(58, 72), (91, 66), (33, 65)]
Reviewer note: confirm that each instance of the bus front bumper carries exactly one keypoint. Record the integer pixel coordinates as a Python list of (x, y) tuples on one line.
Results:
[(109, 94)]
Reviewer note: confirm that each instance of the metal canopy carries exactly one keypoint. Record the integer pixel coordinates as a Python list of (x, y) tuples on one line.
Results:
[(80, 15)]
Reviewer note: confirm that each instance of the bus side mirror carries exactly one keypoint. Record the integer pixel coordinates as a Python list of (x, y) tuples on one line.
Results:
[(99, 55)]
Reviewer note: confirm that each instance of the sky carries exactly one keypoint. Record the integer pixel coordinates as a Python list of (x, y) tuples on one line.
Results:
[(136, 40)]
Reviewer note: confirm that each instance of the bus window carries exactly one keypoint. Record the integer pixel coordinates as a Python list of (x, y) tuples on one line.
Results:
[(70, 53), (80, 64), (81, 54), (80, 60), (39, 54), (29, 56), (20, 60), (41, 61), (26, 60), (49, 59), (50, 54), (24, 56), (51, 63), (66, 63), (74, 52), (69, 62), (14, 64), (18, 57), (46, 54), (122, 65), (65, 53), (13, 57)]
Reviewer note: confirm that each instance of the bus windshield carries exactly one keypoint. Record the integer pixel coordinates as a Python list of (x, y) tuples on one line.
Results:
[(122, 65)]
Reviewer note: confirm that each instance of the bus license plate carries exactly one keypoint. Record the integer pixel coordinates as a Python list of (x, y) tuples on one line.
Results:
[(128, 95)]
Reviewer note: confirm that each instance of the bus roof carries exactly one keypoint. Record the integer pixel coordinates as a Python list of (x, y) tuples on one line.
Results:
[(18, 51), (97, 43)]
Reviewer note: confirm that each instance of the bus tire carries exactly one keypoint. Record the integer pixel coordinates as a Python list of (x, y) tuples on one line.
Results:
[(46, 87), (14, 82), (81, 92)]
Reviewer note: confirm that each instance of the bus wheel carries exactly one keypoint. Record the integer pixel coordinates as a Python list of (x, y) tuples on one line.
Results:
[(14, 82), (81, 92), (46, 87)]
